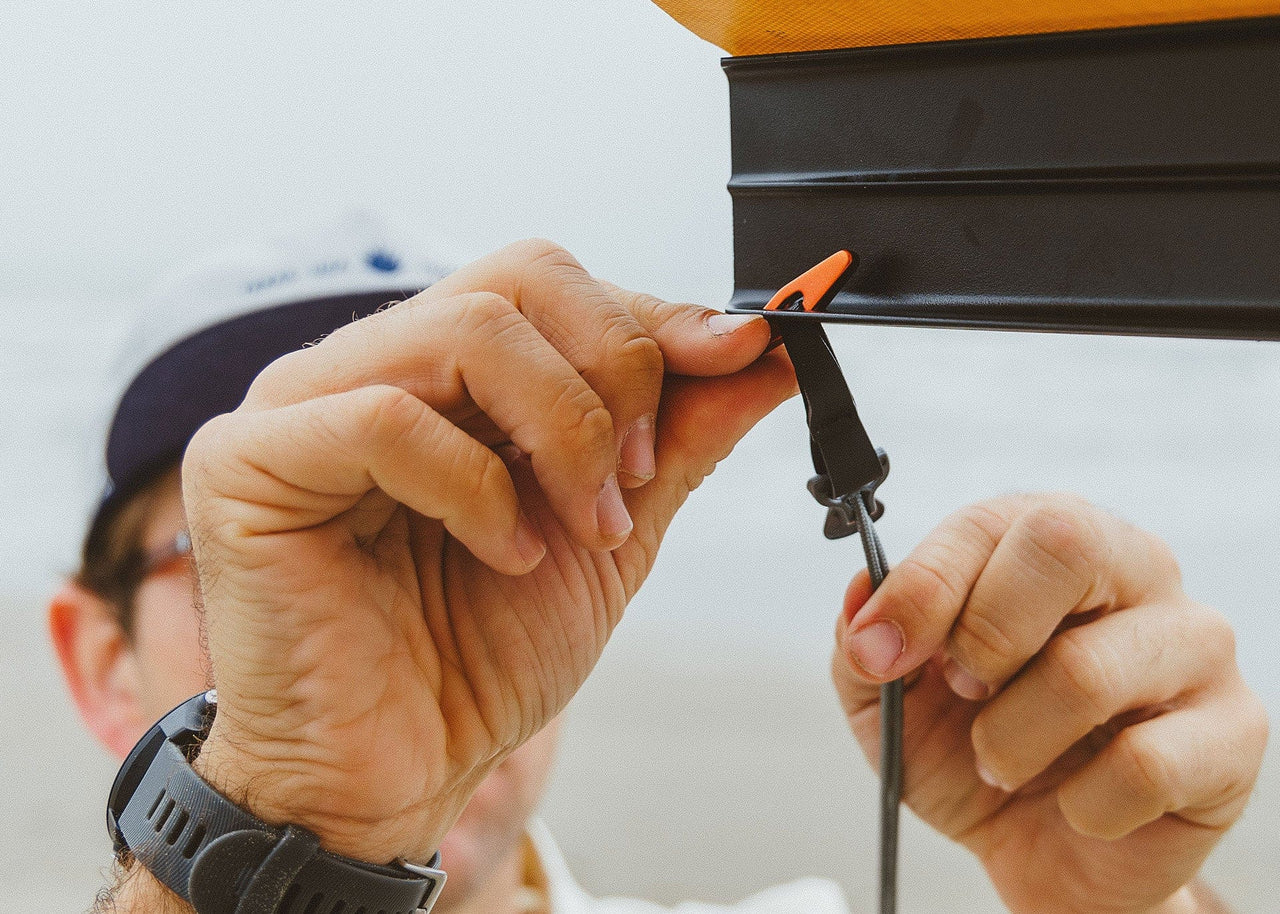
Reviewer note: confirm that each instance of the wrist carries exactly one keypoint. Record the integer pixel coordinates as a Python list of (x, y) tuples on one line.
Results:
[(348, 817), (137, 891), (217, 855)]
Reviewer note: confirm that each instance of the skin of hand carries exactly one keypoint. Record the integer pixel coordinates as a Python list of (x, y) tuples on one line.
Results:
[(163, 662), (1071, 715), (415, 537)]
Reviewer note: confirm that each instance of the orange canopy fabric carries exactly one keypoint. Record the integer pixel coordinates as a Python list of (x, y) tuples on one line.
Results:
[(778, 26)]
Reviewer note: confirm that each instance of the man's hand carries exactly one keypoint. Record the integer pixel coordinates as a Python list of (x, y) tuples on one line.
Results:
[(415, 537), (1072, 717)]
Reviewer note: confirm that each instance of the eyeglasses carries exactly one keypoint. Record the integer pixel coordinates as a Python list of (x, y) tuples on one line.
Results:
[(166, 558)]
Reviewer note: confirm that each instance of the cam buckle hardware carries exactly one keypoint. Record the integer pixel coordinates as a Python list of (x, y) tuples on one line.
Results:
[(847, 465), (816, 287), (843, 516)]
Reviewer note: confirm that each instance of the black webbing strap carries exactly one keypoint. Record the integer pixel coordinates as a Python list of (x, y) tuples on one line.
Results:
[(841, 449), (849, 468)]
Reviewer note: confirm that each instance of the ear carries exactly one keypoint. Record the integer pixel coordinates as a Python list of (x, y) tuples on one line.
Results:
[(99, 667)]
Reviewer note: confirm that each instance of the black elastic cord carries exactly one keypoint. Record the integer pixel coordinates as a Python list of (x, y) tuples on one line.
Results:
[(891, 694)]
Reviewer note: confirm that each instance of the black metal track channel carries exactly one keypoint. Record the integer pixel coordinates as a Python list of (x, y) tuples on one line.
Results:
[(1117, 181)]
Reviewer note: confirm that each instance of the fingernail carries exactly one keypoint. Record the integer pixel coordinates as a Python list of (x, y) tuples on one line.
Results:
[(611, 512), (964, 683), (529, 542), (508, 452), (636, 456), (991, 780), (724, 324), (876, 647)]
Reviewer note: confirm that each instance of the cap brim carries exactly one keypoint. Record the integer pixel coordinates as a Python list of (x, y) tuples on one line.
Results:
[(205, 375)]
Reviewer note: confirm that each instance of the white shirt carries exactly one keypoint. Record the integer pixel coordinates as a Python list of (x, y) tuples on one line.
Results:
[(804, 896)]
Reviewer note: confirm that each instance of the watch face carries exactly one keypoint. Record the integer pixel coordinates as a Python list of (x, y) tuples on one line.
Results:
[(127, 780), (190, 719)]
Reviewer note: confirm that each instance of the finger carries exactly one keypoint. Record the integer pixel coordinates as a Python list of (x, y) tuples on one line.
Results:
[(856, 687), (542, 279), (267, 472), (583, 320), (1087, 676), (857, 693), (477, 352), (906, 620), (993, 583), (700, 422), (1061, 557), (569, 307), (695, 340), (1199, 763)]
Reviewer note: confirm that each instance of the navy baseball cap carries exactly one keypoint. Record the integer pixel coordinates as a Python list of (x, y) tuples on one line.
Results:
[(205, 333)]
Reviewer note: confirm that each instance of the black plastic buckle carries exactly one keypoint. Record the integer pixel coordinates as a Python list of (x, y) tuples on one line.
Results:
[(842, 514)]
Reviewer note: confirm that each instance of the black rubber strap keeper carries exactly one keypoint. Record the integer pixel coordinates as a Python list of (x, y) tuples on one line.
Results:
[(222, 859)]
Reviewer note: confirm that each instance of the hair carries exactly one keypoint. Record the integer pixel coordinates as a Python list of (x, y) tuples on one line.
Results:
[(113, 559)]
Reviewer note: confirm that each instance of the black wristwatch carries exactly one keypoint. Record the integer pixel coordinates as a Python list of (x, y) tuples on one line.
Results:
[(223, 860)]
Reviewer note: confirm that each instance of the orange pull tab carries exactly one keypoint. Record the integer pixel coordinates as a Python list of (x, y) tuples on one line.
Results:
[(814, 289)]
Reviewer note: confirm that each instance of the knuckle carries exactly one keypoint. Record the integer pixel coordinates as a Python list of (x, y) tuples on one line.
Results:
[(483, 315), (477, 474), (1058, 532), (1143, 769), (539, 250), (581, 422), (391, 414), (983, 519), (696, 473), (1077, 671), (983, 644), (655, 312), (205, 451), (211, 467), (208, 439), (277, 376), (1062, 537), (1243, 775), (1160, 555), (550, 257), (615, 354), (1257, 729), (1212, 635), (1236, 778), (922, 590), (542, 260), (637, 354)]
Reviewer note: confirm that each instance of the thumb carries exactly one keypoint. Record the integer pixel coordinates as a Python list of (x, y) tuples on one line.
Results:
[(699, 422), (695, 340), (858, 689)]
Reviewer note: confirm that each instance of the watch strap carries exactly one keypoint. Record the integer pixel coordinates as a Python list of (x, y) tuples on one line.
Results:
[(224, 860)]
